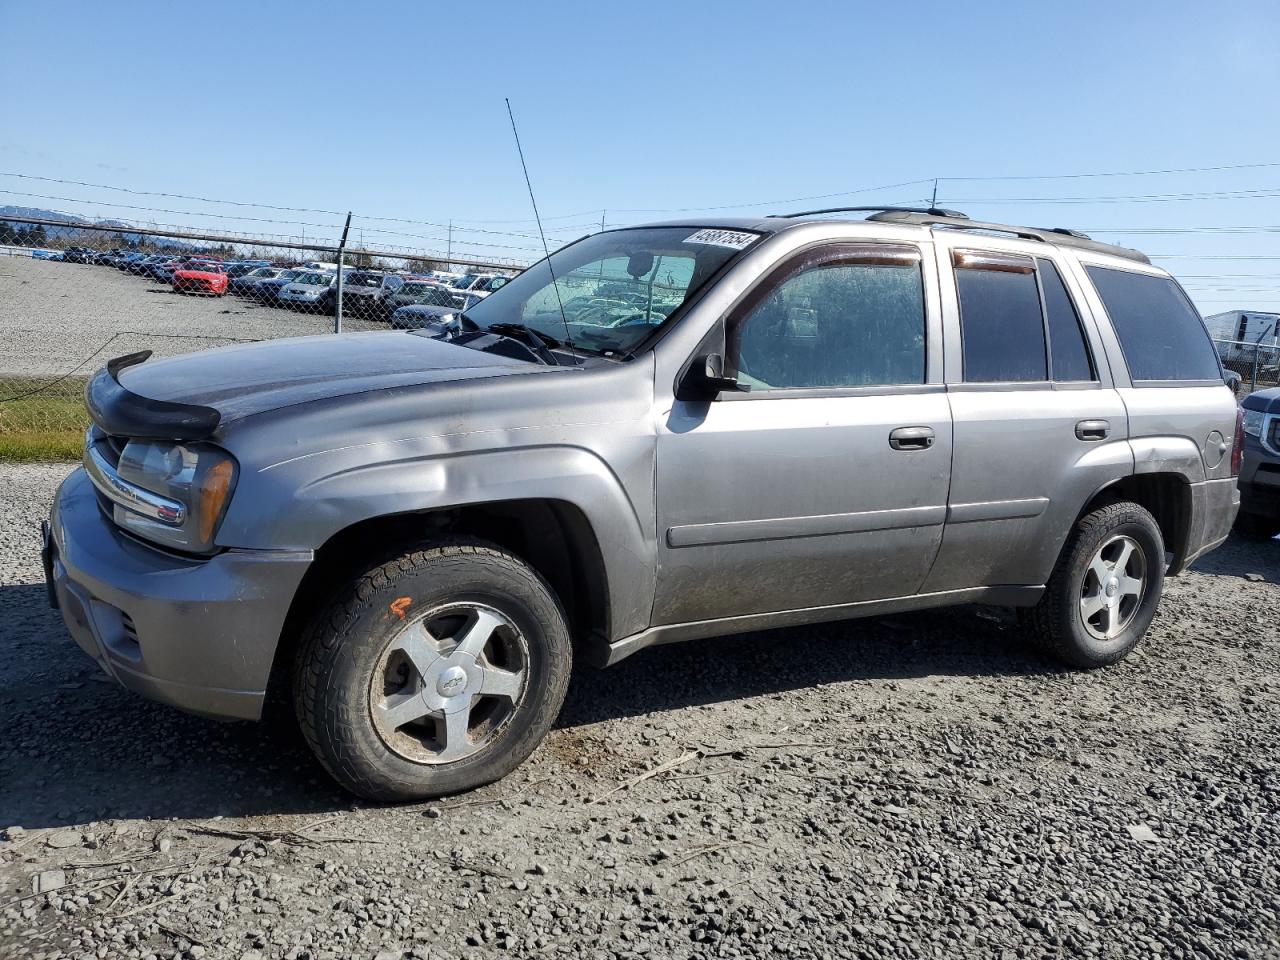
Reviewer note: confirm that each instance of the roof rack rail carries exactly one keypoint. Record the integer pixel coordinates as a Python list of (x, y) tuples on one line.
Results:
[(931, 211), (1059, 235)]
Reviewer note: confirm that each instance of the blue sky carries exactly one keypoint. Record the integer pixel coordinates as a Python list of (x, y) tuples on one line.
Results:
[(646, 111)]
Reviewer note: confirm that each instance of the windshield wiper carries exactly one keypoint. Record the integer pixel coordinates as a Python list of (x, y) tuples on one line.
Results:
[(544, 340)]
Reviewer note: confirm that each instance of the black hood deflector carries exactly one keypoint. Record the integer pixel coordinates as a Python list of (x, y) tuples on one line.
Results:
[(122, 413)]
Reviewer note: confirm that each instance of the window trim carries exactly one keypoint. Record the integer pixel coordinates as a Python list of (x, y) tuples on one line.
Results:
[(829, 253)]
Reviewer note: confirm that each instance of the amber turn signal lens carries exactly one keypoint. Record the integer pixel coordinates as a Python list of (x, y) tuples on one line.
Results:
[(215, 485)]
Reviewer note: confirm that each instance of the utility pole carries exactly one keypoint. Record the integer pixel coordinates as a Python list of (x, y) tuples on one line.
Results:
[(934, 202), (449, 250), (342, 249)]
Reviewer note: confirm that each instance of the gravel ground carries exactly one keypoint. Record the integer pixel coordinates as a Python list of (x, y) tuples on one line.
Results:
[(55, 316), (914, 786)]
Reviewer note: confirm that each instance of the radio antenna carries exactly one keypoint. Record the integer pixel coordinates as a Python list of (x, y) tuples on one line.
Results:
[(568, 340)]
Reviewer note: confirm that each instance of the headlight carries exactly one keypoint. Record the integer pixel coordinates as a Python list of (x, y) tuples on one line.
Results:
[(1253, 422), (198, 476)]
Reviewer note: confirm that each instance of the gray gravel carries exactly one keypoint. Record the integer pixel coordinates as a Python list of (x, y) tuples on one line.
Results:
[(916, 786), (55, 316)]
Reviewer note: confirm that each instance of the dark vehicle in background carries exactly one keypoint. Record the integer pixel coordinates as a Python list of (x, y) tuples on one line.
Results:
[(162, 268), (368, 293), (245, 283), (268, 291), (244, 267), (425, 292), (77, 255), (1260, 466), (142, 267)]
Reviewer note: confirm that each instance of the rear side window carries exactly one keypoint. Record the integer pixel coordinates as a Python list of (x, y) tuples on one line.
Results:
[(1068, 355), (1001, 325), (1160, 333)]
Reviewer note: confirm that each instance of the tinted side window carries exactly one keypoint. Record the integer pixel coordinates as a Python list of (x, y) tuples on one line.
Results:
[(1068, 354), (837, 324), (1160, 333), (1000, 325)]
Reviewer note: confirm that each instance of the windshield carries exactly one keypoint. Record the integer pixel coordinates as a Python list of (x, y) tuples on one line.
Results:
[(264, 272), (616, 287), (364, 279), (313, 279)]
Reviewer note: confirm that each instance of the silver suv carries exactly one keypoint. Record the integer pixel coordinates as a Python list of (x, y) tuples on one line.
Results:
[(661, 433)]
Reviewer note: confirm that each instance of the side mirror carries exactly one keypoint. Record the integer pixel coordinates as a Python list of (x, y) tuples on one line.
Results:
[(706, 379)]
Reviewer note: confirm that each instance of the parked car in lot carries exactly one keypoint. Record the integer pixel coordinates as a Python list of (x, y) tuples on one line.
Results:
[(481, 284), (268, 291), (244, 267), (309, 289), (368, 293), (245, 283), (162, 268), (1260, 469), (200, 278), (423, 316), (838, 418), (423, 292), (122, 263), (77, 255)]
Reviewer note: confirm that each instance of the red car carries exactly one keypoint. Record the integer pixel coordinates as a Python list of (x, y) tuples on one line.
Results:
[(201, 278)]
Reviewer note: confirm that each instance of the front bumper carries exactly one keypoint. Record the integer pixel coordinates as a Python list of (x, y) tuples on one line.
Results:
[(200, 635), (1260, 483)]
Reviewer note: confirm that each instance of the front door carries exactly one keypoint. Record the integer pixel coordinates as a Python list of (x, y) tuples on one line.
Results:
[(826, 484)]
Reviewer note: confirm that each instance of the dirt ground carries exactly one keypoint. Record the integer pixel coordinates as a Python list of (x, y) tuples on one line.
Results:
[(914, 786)]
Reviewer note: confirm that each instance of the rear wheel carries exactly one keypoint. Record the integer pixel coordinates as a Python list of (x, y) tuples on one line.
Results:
[(1104, 591), (437, 672)]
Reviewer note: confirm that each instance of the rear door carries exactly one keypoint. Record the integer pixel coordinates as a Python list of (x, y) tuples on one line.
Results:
[(826, 483), (1038, 425)]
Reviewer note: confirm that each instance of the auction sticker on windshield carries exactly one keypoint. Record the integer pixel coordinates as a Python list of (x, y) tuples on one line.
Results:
[(734, 239)]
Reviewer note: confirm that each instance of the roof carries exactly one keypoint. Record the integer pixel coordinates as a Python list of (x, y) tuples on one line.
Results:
[(926, 218)]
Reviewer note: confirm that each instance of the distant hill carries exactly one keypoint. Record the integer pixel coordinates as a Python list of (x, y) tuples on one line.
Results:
[(72, 221)]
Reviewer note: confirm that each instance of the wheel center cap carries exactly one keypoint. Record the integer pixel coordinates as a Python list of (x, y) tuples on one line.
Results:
[(1113, 585), (451, 682)]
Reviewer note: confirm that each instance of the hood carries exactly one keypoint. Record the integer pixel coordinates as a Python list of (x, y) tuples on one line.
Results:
[(1265, 400), (239, 381)]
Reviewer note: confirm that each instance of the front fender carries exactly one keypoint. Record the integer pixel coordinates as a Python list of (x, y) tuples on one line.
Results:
[(293, 505)]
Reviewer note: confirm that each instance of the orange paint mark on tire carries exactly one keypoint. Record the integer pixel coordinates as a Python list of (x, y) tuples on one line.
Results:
[(398, 607)]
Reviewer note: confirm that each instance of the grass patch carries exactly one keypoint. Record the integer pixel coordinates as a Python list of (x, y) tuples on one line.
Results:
[(48, 425)]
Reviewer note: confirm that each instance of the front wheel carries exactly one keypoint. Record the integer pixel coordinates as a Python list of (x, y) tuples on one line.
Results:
[(437, 672), (1104, 591)]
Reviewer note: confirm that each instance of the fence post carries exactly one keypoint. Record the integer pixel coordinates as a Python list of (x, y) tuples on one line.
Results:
[(1253, 381), (342, 249)]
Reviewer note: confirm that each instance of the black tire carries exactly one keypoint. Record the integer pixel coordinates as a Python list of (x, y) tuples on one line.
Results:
[(1256, 527), (345, 646), (1057, 623)]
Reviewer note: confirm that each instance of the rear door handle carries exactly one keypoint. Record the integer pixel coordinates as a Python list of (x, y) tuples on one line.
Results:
[(911, 438), (1093, 430)]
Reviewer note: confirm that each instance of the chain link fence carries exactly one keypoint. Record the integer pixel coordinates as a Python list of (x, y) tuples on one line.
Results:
[(1257, 363), (72, 297)]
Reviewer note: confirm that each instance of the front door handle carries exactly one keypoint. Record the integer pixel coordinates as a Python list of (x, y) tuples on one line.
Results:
[(911, 438), (1092, 430)]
